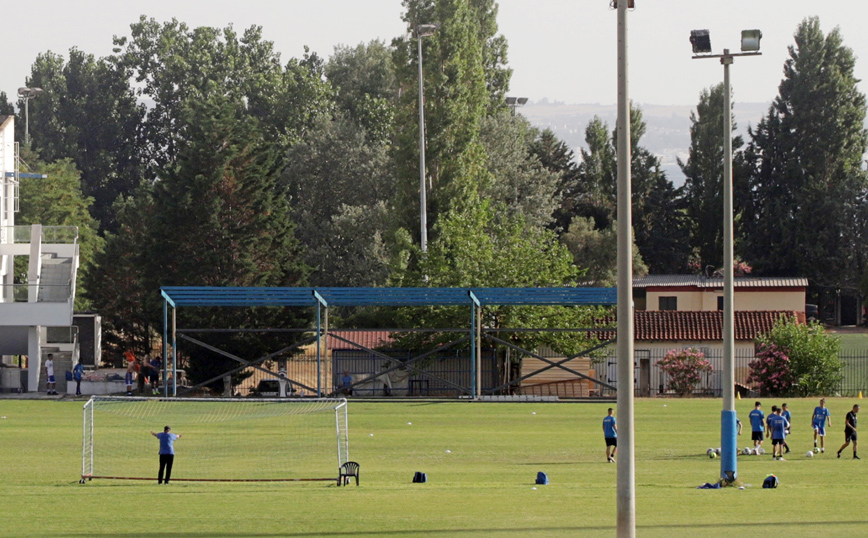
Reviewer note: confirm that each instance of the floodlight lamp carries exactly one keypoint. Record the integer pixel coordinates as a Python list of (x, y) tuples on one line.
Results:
[(426, 30), (522, 100), (510, 101), (750, 40), (701, 41)]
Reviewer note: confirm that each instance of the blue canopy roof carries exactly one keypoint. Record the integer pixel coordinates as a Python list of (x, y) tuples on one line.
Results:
[(252, 296)]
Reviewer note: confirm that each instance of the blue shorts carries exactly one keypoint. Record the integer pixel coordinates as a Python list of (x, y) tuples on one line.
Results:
[(821, 430), (51, 379), (129, 378)]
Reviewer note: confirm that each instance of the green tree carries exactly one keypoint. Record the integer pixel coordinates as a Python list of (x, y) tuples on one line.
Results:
[(813, 355), (174, 65), (88, 113), (365, 86), (598, 251), (704, 176), (338, 181), (6, 107), (805, 210), (58, 201), (520, 181), (221, 191), (456, 100), (557, 157)]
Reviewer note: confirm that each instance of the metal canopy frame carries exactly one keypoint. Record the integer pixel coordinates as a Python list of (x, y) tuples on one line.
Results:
[(323, 298)]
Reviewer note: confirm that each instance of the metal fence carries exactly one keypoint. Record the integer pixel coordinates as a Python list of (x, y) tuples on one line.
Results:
[(855, 372)]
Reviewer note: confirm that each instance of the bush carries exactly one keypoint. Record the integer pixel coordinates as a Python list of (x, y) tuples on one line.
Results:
[(684, 368), (771, 372), (813, 355)]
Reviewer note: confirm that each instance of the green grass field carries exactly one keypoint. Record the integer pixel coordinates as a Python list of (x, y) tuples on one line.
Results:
[(483, 487)]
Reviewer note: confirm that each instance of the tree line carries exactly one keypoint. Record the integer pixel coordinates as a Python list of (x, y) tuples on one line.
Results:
[(197, 156)]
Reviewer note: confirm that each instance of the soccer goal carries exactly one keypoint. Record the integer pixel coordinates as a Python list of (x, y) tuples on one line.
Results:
[(240, 440)]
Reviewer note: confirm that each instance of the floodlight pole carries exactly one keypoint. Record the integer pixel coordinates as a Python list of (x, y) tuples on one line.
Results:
[(422, 30), (728, 419), (626, 494)]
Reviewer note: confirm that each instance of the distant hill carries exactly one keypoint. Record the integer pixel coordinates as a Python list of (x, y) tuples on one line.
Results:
[(668, 134)]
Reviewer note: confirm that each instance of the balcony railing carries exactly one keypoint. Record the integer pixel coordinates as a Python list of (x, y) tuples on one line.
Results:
[(66, 235), (49, 293)]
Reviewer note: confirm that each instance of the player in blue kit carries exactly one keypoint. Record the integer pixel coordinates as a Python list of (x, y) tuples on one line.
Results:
[(785, 412), (757, 417), (819, 421), (778, 431), (610, 432)]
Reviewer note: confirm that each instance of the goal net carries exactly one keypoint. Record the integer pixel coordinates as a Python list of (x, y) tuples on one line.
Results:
[(222, 439)]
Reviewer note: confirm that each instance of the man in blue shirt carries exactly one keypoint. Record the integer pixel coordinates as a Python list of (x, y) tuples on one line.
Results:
[(778, 430), (785, 412), (610, 432), (167, 452), (819, 419), (756, 424)]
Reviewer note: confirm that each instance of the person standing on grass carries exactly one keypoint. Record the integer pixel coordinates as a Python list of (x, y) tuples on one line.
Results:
[(132, 369), (156, 365), (818, 422), (610, 432), (757, 417), (77, 374), (50, 383), (778, 426), (850, 432), (785, 412), (167, 453)]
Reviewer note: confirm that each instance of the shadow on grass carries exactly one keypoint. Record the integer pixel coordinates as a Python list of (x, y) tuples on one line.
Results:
[(700, 527)]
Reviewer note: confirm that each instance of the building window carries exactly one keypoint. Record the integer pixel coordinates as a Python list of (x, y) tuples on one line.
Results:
[(720, 303), (668, 303)]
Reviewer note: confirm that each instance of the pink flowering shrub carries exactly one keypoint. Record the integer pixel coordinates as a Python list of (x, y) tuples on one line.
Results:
[(684, 368), (771, 371)]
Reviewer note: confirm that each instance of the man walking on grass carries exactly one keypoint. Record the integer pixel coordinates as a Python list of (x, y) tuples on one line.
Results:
[(820, 417), (610, 432), (850, 432)]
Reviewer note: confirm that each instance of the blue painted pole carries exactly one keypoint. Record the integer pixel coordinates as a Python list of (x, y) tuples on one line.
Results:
[(728, 445)]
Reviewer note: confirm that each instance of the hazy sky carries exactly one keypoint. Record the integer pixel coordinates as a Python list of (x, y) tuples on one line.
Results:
[(564, 50)]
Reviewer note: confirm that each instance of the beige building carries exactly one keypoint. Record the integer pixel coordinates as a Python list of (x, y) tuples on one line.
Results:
[(696, 293)]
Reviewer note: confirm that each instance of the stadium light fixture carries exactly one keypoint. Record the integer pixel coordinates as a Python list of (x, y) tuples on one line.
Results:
[(514, 102), (701, 41), (27, 94), (728, 441), (750, 40)]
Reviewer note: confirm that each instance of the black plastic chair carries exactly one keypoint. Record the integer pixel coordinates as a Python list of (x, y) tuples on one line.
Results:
[(348, 470)]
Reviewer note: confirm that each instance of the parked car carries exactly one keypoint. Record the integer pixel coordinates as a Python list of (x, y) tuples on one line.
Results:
[(270, 388), (812, 312)]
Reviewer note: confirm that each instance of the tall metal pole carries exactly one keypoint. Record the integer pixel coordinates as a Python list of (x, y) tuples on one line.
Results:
[(626, 464), (728, 461), (27, 121), (423, 204)]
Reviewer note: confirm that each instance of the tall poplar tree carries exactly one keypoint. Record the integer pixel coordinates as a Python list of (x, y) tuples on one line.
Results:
[(806, 208)]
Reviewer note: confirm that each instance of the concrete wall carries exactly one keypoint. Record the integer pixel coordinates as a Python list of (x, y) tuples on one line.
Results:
[(745, 300)]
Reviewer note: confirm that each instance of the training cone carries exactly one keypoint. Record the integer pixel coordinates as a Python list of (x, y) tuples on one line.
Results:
[(860, 394), (738, 396)]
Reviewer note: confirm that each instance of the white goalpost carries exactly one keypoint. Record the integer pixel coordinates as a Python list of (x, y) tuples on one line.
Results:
[(241, 440)]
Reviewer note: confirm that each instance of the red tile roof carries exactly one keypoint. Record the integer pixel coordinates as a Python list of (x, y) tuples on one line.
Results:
[(672, 325), (678, 326), (368, 339)]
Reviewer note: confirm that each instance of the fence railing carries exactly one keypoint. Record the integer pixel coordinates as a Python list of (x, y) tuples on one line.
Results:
[(855, 372)]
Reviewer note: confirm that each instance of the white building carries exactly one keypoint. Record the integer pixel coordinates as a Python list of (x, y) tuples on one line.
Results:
[(43, 297)]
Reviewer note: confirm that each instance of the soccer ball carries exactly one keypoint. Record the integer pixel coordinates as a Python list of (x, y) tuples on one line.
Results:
[(809, 454), (760, 451), (709, 452), (816, 450), (712, 455), (717, 451), (746, 451)]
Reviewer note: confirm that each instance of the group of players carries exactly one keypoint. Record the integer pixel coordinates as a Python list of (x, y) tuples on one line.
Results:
[(148, 370), (777, 426)]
